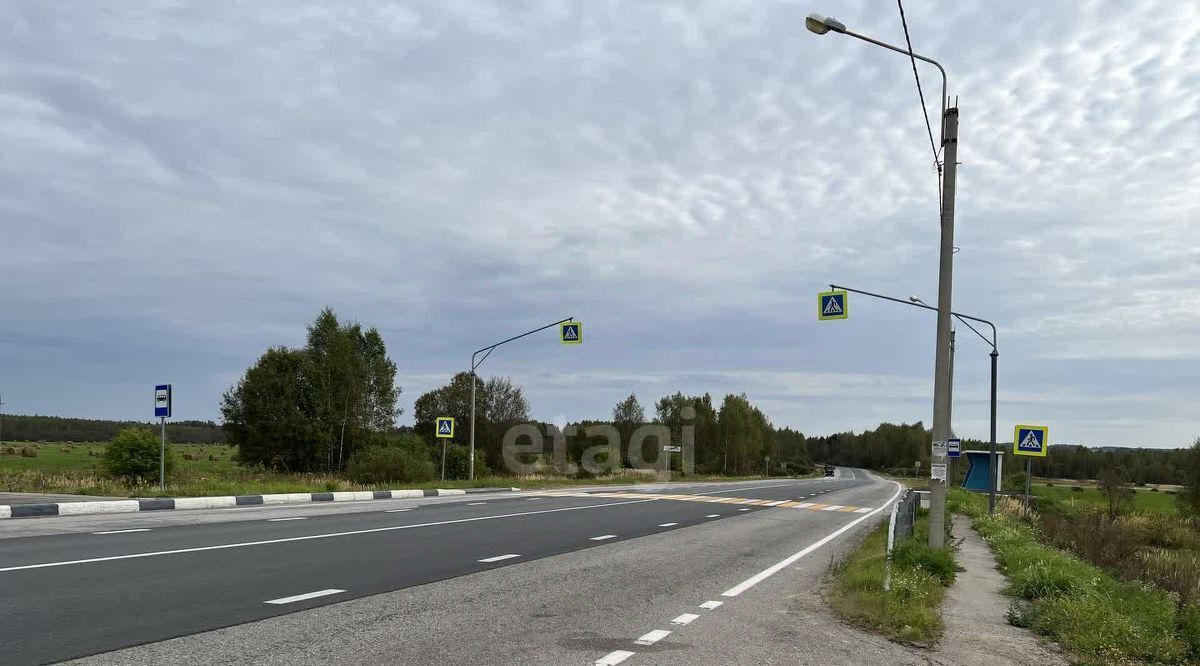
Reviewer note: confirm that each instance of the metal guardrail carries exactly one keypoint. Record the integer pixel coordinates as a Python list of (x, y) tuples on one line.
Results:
[(900, 528)]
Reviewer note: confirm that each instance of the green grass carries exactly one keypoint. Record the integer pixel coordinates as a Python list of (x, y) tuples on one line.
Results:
[(1144, 499), (920, 574), (75, 472), (1095, 616)]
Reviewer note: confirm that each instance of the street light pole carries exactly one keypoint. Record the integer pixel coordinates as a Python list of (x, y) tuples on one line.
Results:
[(941, 371), (995, 355), (474, 365)]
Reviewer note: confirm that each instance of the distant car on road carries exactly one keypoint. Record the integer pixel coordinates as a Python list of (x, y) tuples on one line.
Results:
[(829, 470)]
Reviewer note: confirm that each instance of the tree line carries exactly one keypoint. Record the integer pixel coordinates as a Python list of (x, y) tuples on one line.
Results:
[(38, 428)]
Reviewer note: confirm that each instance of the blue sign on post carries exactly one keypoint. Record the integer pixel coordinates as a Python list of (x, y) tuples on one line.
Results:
[(162, 401), (954, 447)]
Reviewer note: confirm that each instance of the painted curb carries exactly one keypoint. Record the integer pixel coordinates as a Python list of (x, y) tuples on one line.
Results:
[(183, 503)]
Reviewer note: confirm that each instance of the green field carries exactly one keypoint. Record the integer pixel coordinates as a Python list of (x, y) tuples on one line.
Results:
[(60, 457), (1089, 496)]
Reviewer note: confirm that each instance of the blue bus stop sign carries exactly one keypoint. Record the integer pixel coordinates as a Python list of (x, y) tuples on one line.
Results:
[(162, 401)]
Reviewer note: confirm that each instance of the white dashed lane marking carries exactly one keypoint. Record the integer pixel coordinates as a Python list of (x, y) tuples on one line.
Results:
[(498, 558), (710, 605), (280, 520), (396, 510), (652, 637), (686, 618), (140, 529), (713, 515), (303, 597), (613, 658), (668, 524), (603, 537)]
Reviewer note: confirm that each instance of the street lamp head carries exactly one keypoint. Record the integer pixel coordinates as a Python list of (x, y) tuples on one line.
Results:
[(822, 24)]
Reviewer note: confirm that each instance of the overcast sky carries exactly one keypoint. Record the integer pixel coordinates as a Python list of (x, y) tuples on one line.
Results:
[(184, 184)]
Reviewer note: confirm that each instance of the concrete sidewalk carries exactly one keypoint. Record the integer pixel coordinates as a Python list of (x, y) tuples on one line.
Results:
[(974, 608)]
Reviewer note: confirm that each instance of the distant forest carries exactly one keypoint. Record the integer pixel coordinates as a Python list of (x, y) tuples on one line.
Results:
[(17, 427)]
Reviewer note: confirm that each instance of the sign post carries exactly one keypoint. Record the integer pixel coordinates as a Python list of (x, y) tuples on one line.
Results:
[(1033, 442), (162, 409), (444, 431)]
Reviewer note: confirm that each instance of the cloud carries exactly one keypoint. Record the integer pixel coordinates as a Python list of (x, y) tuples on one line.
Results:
[(186, 185)]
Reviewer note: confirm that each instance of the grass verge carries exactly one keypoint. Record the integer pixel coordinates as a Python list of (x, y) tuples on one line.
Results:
[(1095, 616), (920, 574)]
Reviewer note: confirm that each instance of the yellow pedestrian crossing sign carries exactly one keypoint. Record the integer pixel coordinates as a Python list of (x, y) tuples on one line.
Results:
[(445, 427), (832, 305), (1031, 440), (571, 332)]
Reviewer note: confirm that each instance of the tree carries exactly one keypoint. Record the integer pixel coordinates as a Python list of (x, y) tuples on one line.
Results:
[(500, 404), (304, 409), (271, 413), (1117, 495), (627, 415), (1189, 497), (630, 411), (133, 455)]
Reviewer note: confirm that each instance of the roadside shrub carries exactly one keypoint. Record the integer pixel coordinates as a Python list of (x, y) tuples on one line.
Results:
[(1014, 483), (1076, 489), (383, 464), (456, 462), (133, 455), (1107, 542), (1189, 630)]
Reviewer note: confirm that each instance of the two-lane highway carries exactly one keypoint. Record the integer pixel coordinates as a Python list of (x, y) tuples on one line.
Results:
[(86, 592)]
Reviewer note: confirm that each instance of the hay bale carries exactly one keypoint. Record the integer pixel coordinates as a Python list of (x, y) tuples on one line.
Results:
[(28, 452), (10, 451), (65, 449), (214, 457)]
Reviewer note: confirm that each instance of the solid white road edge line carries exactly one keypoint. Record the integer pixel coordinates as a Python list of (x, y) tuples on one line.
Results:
[(686, 618), (653, 637), (140, 529), (310, 537), (613, 658), (499, 557), (303, 597), (779, 566)]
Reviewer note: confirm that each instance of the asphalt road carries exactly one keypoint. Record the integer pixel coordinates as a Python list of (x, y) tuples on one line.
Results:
[(89, 591)]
